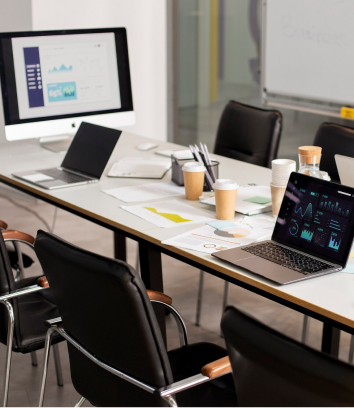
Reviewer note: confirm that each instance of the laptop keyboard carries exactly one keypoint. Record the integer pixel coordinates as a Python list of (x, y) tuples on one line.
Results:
[(287, 258), (64, 176)]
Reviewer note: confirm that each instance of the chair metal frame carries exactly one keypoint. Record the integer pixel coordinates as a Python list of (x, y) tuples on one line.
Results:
[(4, 299), (166, 393)]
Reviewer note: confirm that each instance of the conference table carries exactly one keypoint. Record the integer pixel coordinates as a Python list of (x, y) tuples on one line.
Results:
[(329, 298)]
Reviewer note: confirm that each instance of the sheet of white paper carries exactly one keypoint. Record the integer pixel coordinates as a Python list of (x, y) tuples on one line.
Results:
[(167, 214), (146, 192), (259, 221), (208, 239), (37, 177), (244, 193)]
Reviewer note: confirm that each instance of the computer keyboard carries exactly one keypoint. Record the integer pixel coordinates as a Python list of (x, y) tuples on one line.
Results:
[(288, 258), (64, 175)]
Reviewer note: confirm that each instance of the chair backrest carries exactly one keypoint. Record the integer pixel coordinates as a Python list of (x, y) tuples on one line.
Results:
[(7, 285), (269, 369), (105, 308), (334, 139), (249, 134)]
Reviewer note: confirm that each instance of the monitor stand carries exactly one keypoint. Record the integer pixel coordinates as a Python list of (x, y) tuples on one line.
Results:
[(56, 144)]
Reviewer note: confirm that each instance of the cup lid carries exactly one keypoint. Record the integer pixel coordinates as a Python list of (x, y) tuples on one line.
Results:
[(225, 184), (193, 167)]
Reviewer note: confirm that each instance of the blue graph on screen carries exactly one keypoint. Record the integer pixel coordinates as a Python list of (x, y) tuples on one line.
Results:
[(334, 244), (306, 234), (307, 213), (62, 68)]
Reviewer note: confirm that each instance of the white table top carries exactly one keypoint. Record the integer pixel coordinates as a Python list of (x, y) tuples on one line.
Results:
[(331, 296)]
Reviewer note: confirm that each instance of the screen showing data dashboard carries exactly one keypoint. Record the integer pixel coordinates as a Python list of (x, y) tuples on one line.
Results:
[(61, 74), (317, 216)]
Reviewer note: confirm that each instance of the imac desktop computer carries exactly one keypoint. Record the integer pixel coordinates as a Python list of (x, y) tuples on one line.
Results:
[(51, 81)]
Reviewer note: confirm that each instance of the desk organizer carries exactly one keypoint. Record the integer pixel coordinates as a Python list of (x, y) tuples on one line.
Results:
[(177, 173)]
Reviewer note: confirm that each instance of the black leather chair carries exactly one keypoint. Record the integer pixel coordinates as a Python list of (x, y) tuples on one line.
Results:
[(116, 351), (270, 369), (24, 307), (248, 134), (334, 139)]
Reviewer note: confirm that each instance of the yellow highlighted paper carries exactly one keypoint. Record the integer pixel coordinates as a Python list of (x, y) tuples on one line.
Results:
[(172, 217), (347, 113)]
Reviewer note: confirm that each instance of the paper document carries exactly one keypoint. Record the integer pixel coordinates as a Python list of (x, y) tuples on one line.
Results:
[(140, 167), (167, 214), (259, 221), (247, 193), (208, 239), (146, 192)]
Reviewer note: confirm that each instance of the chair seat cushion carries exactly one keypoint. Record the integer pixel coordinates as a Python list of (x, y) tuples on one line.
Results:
[(33, 311), (188, 361)]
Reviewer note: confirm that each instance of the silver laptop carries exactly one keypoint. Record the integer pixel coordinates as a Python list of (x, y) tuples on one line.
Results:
[(84, 162), (313, 234), (345, 167)]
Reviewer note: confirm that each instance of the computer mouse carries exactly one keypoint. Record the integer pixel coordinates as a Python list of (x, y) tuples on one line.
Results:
[(146, 146)]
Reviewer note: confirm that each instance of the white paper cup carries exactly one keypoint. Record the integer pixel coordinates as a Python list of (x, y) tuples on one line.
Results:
[(281, 170), (225, 198), (193, 175)]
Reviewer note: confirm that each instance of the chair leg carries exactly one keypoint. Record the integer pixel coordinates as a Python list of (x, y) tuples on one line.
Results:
[(80, 402), (351, 350), (305, 329), (58, 365), (170, 401), (200, 298), (10, 332), (45, 367), (34, 359)]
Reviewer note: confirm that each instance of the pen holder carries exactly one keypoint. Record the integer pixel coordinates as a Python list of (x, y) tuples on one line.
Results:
[(177, 173)]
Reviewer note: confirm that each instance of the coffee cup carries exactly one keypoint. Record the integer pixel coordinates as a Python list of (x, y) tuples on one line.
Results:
[(225, 198), (277, 193), (193, 175)]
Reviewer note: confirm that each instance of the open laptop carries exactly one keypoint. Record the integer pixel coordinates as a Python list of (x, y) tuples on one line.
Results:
[(84, 162), (345, 167), (313, 234)]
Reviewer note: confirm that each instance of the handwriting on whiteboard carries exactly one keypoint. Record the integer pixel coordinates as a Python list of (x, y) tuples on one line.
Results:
[(291, 29)]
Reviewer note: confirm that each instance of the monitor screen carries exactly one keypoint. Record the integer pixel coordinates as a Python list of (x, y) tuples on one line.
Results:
[(317, 217), (62, 76)]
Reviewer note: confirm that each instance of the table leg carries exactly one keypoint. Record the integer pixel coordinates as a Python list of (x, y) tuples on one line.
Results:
[(330, 340), (151, 274), (120, 246)]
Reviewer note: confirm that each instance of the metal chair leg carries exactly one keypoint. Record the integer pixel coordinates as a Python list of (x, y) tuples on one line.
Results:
[(351, 350), (58, 365), (45, 366), (10, 332), (34, 359), (80, 402), (305, 329), (200, 298)]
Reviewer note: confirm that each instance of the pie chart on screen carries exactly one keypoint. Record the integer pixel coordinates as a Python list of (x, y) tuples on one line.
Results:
[(233, 233)]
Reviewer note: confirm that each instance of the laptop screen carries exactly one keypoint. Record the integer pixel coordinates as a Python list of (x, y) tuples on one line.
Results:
[(317, 217)]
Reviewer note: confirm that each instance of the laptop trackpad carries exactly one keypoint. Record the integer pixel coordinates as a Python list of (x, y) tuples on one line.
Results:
[(269, 270), (52, 183)]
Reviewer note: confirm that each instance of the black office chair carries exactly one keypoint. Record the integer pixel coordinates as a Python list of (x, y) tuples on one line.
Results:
[(24, 308), (270, 369), (117, 355), (334, 139), (248, 134)]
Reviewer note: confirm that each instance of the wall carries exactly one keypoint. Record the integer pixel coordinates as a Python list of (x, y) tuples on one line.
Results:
[(146, 26)]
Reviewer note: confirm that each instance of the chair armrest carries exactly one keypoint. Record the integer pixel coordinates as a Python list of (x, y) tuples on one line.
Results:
[(42, 282), (12, 235), (53, 322), (3, 224), (161, 297), (217, 368)]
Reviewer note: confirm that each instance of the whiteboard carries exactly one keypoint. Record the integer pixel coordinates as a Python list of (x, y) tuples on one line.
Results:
[(308, 49)]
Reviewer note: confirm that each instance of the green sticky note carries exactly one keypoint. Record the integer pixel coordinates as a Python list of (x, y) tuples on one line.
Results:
[(259, 200)]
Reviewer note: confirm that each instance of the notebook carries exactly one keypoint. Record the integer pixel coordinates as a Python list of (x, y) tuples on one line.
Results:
[(140, 167), (313, 234), (83, 163)]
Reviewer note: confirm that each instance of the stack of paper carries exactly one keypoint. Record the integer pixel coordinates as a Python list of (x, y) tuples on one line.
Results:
[(250, 200), (140, 167)]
